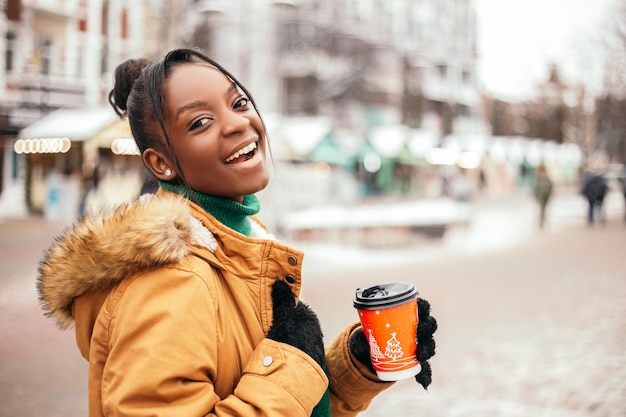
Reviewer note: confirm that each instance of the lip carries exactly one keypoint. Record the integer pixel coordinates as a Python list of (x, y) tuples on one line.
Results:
[(248, 166), (242, 146)]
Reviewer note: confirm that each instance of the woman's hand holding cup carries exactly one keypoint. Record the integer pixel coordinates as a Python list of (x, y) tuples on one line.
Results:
[(396, 339)]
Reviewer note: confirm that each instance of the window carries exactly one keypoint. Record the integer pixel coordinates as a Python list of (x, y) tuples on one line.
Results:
[(442, 70), (82, 13), (464, 110), (466, 76), (124, 24), (9, 57), (105, 14), (13, 10), (297, 36), (104, 57), (42, 55), (80, 58)]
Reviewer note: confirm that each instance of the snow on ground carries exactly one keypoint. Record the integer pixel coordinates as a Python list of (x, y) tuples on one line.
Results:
[(493, 224)]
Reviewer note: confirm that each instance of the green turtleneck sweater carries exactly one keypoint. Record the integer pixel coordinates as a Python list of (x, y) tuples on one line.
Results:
[(229, 212), (236, 216)]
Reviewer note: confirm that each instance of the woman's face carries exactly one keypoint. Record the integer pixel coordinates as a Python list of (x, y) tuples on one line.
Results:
[(217, 134)]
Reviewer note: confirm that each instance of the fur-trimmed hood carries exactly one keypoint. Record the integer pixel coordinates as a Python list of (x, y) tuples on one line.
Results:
[(101, 250)]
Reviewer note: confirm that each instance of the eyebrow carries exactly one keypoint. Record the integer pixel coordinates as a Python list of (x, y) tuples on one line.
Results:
[(200, 103), (189, 106)]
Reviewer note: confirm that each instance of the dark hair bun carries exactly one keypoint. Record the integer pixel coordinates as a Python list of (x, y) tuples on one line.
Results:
[(125, 74)]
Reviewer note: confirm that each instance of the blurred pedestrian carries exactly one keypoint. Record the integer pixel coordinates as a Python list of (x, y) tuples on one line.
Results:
[(482, 179), (543, 192), (525, 183), (183, 303), (594, 188), (90, 187)]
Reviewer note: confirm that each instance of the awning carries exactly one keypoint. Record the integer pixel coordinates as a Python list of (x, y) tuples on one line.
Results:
[(366, 149), (328, 151), (388, 140), (302, 134), (77, 124), (117, 137)]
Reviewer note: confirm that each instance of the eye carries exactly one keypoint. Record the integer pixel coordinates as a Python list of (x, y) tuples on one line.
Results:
[(242, 103), (199, 123)]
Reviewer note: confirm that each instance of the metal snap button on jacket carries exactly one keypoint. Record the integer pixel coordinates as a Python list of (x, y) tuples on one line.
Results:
[(293, 261), (290, 279), (268, 360)]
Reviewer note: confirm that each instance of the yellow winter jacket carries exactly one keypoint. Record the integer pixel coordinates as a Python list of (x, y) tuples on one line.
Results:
[(171, 309)]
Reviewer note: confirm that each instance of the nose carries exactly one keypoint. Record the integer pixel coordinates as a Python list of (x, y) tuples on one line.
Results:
[(234, 122)]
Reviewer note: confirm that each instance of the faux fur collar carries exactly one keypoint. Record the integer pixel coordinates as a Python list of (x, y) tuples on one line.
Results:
[(98, 252)]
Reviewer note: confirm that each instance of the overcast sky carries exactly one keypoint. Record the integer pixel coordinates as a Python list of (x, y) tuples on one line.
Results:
[(518, 39)]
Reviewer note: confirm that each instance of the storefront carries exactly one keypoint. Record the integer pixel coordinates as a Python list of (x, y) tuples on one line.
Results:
[(68, 153), (112, 159)]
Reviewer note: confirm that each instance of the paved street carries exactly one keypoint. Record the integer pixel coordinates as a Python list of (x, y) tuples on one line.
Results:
[(537, 327), (531, 322)]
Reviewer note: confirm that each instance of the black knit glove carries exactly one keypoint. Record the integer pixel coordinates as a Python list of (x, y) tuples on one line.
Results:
[(296, 324), (426, 327)]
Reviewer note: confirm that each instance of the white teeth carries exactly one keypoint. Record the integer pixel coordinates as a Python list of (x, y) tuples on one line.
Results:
[(242, 151)]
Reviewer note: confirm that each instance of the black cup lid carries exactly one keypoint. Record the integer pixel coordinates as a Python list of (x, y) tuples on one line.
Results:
[(384, 295)]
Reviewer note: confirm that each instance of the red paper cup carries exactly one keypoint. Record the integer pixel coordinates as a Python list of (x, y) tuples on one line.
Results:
[(388, 314)]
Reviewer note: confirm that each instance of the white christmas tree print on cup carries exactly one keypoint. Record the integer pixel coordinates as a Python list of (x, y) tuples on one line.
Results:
[(394, 350), (388, 314)]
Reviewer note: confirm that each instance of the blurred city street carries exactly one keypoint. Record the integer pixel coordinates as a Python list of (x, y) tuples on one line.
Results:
[(531, 322), (405, 141)]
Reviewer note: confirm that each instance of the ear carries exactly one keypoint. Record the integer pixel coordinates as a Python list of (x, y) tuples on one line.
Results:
[(159, 164)]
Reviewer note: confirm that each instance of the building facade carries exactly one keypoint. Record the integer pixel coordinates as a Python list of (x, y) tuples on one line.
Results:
[(370, 67), (59, 54), (393, 61), (365, 66)]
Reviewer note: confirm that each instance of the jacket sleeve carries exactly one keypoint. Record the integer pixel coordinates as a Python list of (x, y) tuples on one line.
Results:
[(162, 357), (352, 385)]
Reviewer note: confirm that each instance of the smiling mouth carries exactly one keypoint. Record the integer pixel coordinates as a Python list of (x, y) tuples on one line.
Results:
[(242, 154)]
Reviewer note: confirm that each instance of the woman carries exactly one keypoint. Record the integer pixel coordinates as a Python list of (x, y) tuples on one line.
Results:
[(182, 302)]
